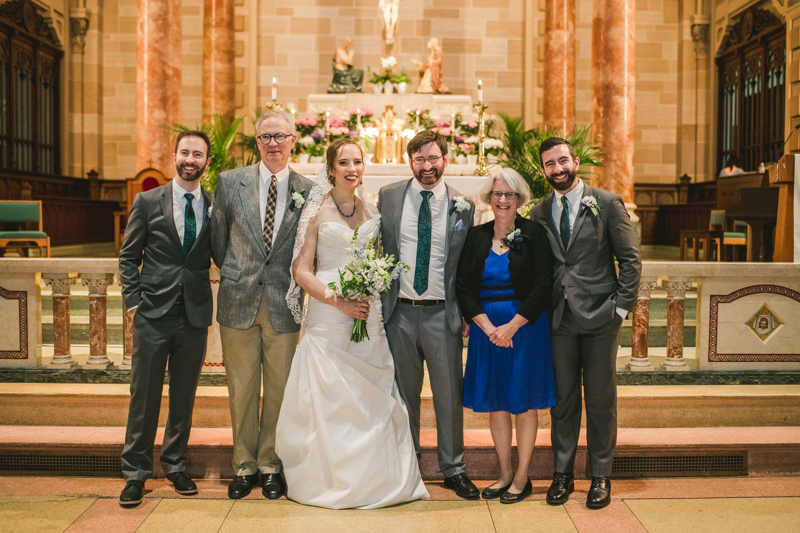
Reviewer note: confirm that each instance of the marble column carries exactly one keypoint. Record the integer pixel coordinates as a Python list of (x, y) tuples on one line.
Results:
[(62, 341), (640, 359), (613, 84), (218, 59), (559, 65), (127, 331), (676, 296), (158, 79), (98, 331)]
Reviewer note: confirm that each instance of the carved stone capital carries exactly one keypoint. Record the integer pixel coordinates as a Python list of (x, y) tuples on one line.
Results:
[(61, 283), (646, 284), (676, 288), (700, 34), (78, 27), (97, 283)]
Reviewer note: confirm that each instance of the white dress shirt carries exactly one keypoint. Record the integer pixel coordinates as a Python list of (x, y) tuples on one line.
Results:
[(408, 240), (263, 195), (179, 208)]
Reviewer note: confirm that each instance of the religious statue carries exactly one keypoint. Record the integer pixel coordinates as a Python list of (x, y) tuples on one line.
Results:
[(389, 10), (346, 79), (431, 74), (389, 143)]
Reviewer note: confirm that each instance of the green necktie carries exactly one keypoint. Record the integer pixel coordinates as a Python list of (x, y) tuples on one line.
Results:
[(423, 244), (189, 224), (564, 228)]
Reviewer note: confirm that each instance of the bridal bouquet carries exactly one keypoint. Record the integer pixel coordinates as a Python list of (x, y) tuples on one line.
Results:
[(366, 276)]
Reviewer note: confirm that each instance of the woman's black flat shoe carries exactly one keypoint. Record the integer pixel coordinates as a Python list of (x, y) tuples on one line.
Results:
[(508, 497), (490, 493)]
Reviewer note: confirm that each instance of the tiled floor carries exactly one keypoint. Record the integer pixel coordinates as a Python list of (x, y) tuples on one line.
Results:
[(43, 505)]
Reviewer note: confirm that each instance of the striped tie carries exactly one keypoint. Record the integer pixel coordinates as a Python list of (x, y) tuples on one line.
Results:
[(269, 215)]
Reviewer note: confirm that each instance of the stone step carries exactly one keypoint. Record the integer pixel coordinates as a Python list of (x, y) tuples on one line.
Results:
[(641, 406), (765, 451)]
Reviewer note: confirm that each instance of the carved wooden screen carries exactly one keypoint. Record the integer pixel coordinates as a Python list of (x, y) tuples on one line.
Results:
[(30, 62), (752, 80)]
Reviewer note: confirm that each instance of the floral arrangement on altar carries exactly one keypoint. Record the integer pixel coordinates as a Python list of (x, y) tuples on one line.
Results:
[(420, 117), (359, 116), (386, 73)]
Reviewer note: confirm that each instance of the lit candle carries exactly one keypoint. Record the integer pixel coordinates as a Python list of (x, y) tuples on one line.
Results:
[(358, 117), (480, 91), (327, 121), (453, 122), (417, 120), (274, 89)]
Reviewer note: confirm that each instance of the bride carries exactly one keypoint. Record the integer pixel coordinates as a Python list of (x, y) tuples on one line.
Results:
[(343, 432)]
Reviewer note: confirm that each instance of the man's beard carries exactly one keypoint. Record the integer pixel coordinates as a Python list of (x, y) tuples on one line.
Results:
[(564, 185), (187, 175), (429, 179)]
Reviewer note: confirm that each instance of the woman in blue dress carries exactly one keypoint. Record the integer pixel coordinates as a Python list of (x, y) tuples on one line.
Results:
[(504, 282)]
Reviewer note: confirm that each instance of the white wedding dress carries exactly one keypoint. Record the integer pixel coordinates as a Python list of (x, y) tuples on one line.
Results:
[(343, 433)]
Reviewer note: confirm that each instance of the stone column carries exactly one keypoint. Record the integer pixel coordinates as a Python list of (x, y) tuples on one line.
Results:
[(158, 79), (127, 331), (613, 84), (640, 359), (676, 295), (218, 59), (559, 65), (62, 342), (98, 332)]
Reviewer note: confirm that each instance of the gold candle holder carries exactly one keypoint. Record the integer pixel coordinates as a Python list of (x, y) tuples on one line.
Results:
[(273, 106), (481, 170)]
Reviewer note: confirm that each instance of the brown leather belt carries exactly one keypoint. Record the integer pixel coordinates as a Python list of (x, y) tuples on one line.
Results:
[(420, 303)]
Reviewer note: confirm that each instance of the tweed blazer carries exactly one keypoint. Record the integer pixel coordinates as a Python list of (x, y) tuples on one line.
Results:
[(238, 247), (152, 242)]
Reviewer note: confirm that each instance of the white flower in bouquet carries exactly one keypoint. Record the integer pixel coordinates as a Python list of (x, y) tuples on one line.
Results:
[(492, 143), (473, 139), (388, 62), (307, 140)]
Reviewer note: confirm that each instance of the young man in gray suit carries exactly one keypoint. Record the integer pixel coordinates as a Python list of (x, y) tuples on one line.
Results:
[(590, 232), (253, 228), (424, 223), (170, 303)]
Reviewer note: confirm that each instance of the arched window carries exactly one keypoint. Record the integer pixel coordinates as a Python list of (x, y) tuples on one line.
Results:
[(752, 79), (30, 63)]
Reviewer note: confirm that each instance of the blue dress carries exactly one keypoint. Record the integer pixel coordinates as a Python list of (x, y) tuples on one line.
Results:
[(507, 379)]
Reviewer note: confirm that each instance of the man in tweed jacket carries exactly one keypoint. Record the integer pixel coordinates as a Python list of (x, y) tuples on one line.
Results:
[(254, 222)]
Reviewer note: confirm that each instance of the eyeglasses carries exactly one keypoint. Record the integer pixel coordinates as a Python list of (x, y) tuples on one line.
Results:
[(266, 138), (509, 195), (419, 161)]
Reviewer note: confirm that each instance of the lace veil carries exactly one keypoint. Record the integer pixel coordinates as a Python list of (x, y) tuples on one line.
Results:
[(295, 297)]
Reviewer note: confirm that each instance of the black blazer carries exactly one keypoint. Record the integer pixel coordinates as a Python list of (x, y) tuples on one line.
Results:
[(531, 269)]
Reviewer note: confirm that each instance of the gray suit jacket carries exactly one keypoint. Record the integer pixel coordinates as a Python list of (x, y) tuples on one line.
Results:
[(238, 247), (586, 271), (390, 204), (151, 240)]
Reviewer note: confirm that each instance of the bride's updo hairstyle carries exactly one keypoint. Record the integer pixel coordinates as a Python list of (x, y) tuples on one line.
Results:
[(333, 152)]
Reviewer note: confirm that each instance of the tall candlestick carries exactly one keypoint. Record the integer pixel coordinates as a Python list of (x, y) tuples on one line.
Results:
[(274, 89), (481, 169), (480, 90)]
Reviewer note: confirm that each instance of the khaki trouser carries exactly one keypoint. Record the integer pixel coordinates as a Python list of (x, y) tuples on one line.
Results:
[(250, 354)]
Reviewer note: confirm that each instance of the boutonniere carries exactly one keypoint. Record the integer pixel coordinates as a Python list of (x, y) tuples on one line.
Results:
[(208, 212), (590, 202), (460, 203), (514, 239), (298, 199)]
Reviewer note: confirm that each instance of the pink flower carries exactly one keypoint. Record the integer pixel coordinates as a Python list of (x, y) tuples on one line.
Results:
[(361, 111), (472, 124), (341, 130), (442, 124), (445, 131), (466, 148), (415, 109), (337, 123), (311, 121)]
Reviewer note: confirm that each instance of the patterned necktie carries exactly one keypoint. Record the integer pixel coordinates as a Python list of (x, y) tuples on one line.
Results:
[(423, 244), (269, 215), (564, 228), (189, 224)]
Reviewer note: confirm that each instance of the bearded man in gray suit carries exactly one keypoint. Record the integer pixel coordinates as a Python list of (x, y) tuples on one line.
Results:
[(424, 223), (589, 231), (253, 229)]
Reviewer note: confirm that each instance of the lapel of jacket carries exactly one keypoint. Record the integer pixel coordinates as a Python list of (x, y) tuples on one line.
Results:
[(547, 213), (169, 218), (290, 216), (207, 200), (396, 200), (587, 191), (249, 197), (451, 217)]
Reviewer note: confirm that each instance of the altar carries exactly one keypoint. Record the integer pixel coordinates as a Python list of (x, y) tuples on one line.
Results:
[(439, 105)]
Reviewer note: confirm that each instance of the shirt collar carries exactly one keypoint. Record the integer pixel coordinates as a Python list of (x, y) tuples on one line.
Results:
[(572, 196), (438, 192), (180, 191), (264, 173)]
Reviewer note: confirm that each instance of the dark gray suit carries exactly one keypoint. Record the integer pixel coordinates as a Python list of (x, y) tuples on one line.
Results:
[(585, 325), (431, 334), (164, 333)]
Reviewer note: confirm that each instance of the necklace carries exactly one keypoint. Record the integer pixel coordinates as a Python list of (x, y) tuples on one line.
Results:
[(340, 211)]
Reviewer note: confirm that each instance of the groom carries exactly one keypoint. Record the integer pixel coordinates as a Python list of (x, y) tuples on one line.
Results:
[(253, 227), (424, 225), (590, 233)]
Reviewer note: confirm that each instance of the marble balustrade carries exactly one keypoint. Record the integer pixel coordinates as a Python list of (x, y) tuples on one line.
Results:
[(748, 314)]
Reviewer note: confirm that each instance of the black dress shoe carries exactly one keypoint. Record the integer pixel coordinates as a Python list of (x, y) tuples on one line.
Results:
[(599, 493), (562, 486), (463, 486), (182, 483), (241, 486), (510, 497), (132, 493), (272, 486), (490, 493)]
